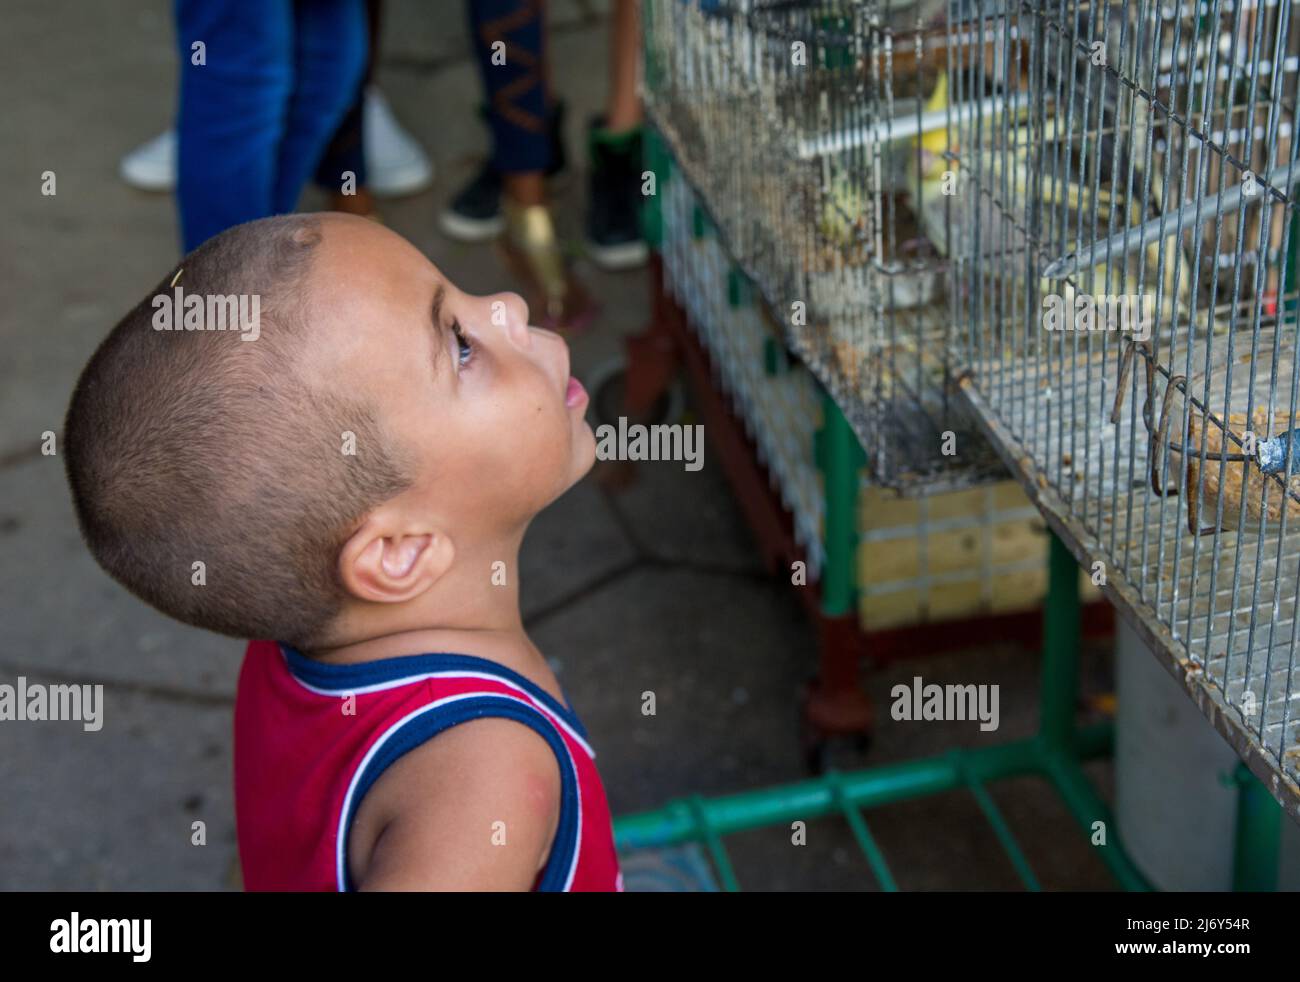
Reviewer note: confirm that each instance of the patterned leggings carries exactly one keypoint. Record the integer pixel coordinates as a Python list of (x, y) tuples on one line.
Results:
[(509, 39)]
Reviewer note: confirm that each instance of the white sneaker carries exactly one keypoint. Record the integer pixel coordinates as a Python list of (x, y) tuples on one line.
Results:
[(152, 165), (395, 163)]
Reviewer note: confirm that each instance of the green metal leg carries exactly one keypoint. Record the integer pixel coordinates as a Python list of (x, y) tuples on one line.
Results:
[(839, 457), (1057, 739), (1061, 628), (1259, 832)]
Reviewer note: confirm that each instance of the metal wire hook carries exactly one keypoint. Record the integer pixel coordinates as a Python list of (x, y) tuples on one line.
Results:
[(1126, 363), (1161, 438)]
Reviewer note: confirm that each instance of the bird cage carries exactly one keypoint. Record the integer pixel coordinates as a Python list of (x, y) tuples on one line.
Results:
[(779, 409), (812, 135), (1124, 279)]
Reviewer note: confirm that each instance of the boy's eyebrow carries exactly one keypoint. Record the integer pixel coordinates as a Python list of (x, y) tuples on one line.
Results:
[(439, 331)]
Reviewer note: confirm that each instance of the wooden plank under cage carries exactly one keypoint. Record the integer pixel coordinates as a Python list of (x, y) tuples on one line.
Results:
[(1239, 476), (950, 555)]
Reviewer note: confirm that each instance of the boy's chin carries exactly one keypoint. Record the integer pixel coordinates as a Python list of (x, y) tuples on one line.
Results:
[(583, 457), (585, 453), (581, 460)]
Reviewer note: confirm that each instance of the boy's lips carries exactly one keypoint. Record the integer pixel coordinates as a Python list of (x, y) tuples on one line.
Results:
[(575, 395)]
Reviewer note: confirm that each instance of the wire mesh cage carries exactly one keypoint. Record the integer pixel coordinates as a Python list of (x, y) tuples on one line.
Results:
[(780, 409), (925, 558), (1124, 277), (813, 134)]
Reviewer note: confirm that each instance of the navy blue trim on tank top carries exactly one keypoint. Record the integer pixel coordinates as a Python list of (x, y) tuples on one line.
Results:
[(429, 724), (348, 678)]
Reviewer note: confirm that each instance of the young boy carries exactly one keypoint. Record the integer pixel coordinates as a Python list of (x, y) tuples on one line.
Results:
[(352, 475)]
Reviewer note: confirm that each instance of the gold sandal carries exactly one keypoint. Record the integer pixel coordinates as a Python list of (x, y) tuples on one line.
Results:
[(533, 251)]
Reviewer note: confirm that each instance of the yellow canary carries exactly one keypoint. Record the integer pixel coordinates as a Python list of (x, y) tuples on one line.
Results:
[(934, 142)]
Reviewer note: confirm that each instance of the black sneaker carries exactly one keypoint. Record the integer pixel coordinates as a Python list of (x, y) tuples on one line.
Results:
[(614, 202), (559, 159), (474, 214)]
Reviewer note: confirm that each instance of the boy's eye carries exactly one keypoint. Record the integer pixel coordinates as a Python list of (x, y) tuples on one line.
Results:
[(465, 345)]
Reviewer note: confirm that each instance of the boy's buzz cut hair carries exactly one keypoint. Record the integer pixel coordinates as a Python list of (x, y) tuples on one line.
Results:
[(199, 446)]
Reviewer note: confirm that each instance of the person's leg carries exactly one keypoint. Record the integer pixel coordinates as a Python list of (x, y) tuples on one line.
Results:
[(614, 199), (346, 152), (473, 214), (508, 43), (623, 104), (329, 60), (525, 120), (236, 73)]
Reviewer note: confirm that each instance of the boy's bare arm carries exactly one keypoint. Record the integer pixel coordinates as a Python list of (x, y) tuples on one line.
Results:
[(439, 805)]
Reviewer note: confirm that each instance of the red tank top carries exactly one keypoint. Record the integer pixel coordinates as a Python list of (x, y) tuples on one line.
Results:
[(304, 759)]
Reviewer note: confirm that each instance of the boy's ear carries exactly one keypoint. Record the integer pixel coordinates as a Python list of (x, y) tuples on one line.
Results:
[(384, 565)]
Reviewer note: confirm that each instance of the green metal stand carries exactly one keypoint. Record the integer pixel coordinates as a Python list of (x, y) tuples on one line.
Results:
[(1056, 753), (1259, 834)]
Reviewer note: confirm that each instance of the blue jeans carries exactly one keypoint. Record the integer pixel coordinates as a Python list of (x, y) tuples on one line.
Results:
[(254, 119)]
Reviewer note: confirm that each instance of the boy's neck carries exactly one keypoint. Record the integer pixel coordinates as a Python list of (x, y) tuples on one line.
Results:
[(473, 609)]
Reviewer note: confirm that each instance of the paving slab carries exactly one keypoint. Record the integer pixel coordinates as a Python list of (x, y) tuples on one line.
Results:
[(63, 615), (114, 809)]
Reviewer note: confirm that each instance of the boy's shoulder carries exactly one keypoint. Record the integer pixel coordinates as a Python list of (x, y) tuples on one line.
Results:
[(464, 794), (475, 807)]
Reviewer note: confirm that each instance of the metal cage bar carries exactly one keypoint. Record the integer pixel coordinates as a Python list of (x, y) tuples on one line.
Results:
[(1126, 305)]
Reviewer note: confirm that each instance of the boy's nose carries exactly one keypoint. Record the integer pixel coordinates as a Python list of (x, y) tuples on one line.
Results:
[(515, 311), (520, 334)]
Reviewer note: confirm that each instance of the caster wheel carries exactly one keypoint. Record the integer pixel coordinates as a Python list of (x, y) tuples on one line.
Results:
[(819, 748)]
